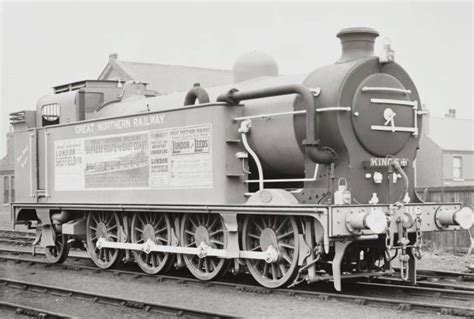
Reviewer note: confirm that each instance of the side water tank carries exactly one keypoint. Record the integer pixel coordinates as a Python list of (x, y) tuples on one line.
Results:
[(252, 65)]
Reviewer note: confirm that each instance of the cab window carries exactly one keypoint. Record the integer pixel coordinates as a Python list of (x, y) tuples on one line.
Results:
[(50, 114)]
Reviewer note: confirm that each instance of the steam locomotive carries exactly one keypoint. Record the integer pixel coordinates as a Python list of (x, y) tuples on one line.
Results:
[(291, 178)]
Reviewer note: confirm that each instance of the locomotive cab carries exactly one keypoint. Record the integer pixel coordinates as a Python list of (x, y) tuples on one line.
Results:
[(78, 101)]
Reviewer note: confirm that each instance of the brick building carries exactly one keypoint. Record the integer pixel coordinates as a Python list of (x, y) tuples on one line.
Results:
[(7, 178), (446, 155), (164, 78)]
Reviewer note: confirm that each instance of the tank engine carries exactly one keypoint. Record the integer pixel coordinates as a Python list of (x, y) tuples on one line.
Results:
[(293, 178)]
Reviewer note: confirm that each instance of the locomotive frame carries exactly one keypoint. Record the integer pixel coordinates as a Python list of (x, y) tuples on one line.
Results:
[(216, 213)]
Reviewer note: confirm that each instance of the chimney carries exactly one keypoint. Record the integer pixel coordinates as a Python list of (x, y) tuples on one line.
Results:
[(113, 57), (356, 43), (451, 113)]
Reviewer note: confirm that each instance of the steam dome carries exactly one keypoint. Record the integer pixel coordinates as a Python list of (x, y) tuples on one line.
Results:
[(254, 64)]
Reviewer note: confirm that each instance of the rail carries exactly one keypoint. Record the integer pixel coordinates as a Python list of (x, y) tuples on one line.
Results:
[(312, 292), (129, 302)]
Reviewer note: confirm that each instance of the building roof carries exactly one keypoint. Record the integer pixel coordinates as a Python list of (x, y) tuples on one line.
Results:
[(6, 163), (164, 78), (452, 134)]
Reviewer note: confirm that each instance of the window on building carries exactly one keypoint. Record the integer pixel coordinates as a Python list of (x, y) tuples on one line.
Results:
[(12, 189), (50, 114), (6, 190), (457, 167)]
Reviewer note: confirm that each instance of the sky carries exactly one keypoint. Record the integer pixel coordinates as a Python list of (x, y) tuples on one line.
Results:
[(43, 44)]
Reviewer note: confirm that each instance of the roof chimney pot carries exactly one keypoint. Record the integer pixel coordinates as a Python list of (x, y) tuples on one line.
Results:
[(113, 57), (451, 113)]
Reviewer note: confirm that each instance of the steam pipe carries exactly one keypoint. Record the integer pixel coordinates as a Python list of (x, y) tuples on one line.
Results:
[(396, 165), (316, 153), (196, 93)]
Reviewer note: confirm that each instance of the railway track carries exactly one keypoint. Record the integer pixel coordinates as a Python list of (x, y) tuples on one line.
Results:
[(15, 238), (152, 308), (443, 274), (355, 292), (34, 312)]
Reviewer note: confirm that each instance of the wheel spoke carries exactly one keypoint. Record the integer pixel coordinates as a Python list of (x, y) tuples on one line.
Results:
[(282, 269), (286, 258), (206, 265), (95, 218), (190, 233), (253, 236), (285, 220), (275, 222), (216, 232), (141, 219), (161, 239), (148, 218), (112, 227), (161, 230), (110, 218), (153, 218), (285, 235), (93, 228), (159, 222), (218, 242), (264, 222), (256, 248), (265, 269), (193, 222), (201, 219), (274, 271), (213, 263), (286, 246), (257, 225), (190, 244), (214, 221)]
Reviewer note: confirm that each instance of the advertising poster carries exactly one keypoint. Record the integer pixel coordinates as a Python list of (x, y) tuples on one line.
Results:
[(69, 164), (116, 162), (181, 157), (173, 158)]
